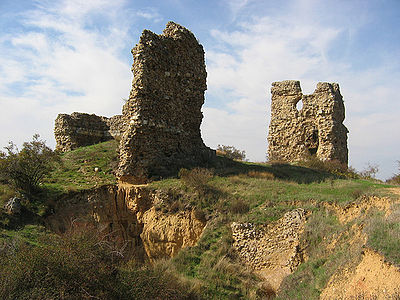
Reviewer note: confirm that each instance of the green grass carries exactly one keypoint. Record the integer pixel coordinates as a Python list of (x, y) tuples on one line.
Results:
[(384, 234), (267, 199), (77, 170), (29, 234), (241, 192), (6, 192)]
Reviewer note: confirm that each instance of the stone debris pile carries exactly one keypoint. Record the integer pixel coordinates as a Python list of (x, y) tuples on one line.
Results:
[(272, 250)]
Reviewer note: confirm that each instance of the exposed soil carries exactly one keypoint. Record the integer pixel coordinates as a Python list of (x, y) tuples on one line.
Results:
[(373, 278), (354, 210)]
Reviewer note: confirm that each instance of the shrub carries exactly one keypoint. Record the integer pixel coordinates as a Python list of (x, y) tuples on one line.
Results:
[(160, 281), (395, 179), (25, 169), (75, 266), (83, 265), (357, 193), (369, 172), (231, 152), (197, 178), (332, 166), (239, 206)]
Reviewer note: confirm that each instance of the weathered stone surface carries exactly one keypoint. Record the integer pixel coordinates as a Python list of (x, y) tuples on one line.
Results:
[(163, 113), (316, 129), (81, 129), (272, 250)]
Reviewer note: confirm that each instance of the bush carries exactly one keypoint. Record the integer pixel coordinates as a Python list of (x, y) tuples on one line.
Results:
[(197, 178), (83, 265), (231, 152), (332, 166), (369, 172), (239, 206), (395, 179), (75, 266), (25, 169), (160, 281)]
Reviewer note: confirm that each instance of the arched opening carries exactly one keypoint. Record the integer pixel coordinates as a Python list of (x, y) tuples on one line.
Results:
[(312, 141)]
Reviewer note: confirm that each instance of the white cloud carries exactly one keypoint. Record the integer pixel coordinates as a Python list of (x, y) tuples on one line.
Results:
[(244, 62), (64, 62), (150, 14), (72, 56)]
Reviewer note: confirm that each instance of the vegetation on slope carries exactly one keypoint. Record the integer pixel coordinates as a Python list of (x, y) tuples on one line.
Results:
[(84, 168), (232, 191)]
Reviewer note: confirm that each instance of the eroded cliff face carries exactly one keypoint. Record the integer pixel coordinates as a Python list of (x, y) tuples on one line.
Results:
[(126, 213)]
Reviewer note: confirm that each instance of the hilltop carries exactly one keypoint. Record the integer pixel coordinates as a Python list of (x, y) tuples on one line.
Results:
[(238, 231)]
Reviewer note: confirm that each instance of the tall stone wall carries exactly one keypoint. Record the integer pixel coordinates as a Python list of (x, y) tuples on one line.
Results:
[(316, 129), (163, 113), (81, 129)]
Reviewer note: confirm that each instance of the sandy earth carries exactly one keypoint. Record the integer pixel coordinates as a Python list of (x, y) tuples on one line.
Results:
[(373, 278)]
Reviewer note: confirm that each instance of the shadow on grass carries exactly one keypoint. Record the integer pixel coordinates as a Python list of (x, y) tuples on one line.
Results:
[(283, 171)]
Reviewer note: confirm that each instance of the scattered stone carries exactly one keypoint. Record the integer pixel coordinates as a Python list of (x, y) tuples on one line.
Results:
[(315, 129), (13, 206)]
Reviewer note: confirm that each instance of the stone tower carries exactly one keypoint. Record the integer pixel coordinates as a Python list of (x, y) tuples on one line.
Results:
[(315, 129), (163, 113)]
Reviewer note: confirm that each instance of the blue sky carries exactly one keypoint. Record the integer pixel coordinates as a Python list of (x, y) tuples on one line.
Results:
[(60, 56)]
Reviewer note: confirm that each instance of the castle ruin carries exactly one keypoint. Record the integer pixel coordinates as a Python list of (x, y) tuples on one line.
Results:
[(163, 113), (315, 129), (159, 129), (80, 129)]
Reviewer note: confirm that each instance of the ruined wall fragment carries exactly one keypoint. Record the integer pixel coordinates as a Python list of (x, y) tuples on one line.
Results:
[(163, 113), (316, 129), (81, 129)]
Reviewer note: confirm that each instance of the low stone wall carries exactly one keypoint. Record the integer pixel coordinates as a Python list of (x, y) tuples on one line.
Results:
[(81, 129)]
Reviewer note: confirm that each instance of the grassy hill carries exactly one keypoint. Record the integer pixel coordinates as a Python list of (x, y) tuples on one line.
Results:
[(231, 192)]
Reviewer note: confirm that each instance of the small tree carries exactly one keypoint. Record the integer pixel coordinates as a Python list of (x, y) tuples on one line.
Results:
[(231, 152), (370, 171), (395, 179), (25, 169)]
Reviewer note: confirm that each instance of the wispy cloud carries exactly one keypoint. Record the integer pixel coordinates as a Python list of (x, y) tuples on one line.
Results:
[(66, 60), (150, 14), (244, 62)]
